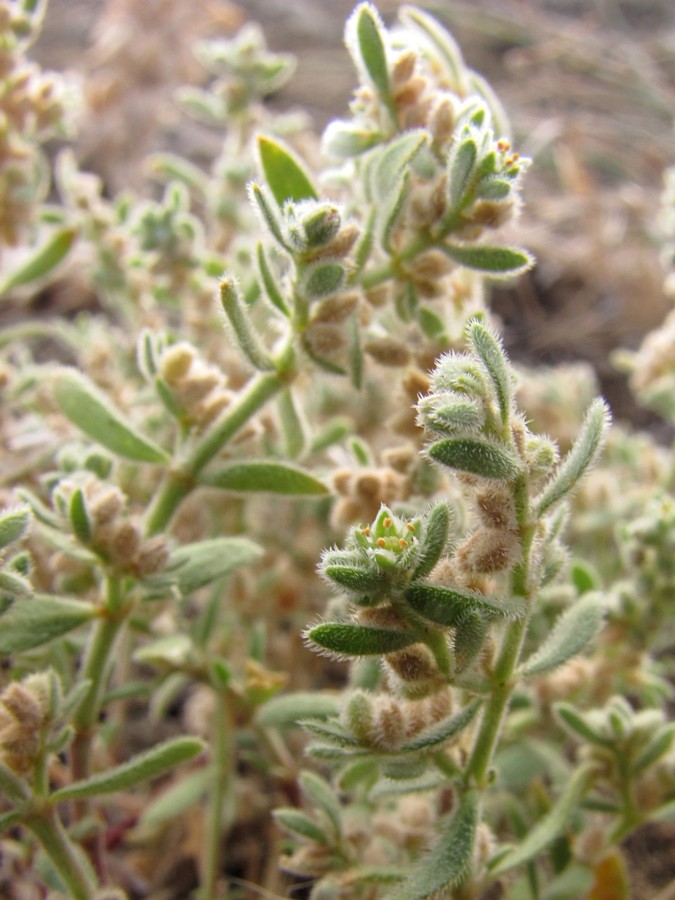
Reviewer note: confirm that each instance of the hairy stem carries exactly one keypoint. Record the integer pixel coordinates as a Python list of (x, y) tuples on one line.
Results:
[(223, 765), (69, 863)]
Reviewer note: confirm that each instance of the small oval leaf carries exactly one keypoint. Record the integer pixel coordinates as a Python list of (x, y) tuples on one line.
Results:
[(32, 622), (476, 457), (284, 173), (348, 639), (195, 565), (575, 628), (495, 261), (93, 413), (259, 476)]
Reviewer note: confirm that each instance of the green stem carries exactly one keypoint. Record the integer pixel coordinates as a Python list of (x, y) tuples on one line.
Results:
[(223, 764), (386, 271), (70, 865), (179, 483)]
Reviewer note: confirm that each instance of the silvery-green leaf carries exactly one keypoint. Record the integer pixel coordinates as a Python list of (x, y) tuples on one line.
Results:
[(461, 167), (272, 290), (448, 606), (32, 622), (13, 585), (489, 350), (138, 769), (433, 540), (440, 733), (94, 414), (284, 173), (287, 710), (270, 215), (438, 38), (331, 731), (469, 639), (657, 747), (575, 628), (477, 457), (247, 337), (344, 140), (364, 36), (392, 163), (197, 564), (578, 724), (504, 262), (494, 188), (449, 860), (348, 639), (323, 278), (268, 477), (169, 650), (551, 825), (322, 797), (14, 523), (177, 798), (581, 457), (354, 578), (42, 260), (79, 517), (297, 822)]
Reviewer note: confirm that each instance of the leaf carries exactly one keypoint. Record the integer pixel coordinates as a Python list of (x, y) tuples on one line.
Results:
[(450, 859), (489, 350), (322, 797), (93, 413), (495, 261), (286, 711), (438, 38), (461, 166), (575, 628), (343, 140), (138, 769), (323, 278), (237, 313), (434, 540), (449, 606), (177, 798), (577, 725), (31, 623), (332, 733), (42, 261), (659, 745), (13, 787), (364, 36), (440, 733), (195, 565), (478, 457), (297, 822), (260, 476), (269, 282), (14, 523), (392, 163), (169, 650), (259, 198), (581, 457), (354, 578), (79, 517), (347, 639), (550, 826), (284, 173)]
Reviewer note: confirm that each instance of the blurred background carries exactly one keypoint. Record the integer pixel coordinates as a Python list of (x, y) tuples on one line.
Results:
[(589, 86)]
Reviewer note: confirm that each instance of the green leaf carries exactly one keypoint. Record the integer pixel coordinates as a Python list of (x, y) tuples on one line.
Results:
[(551, 825), (9, 820), (440, 733), (31, 623), (260, 476), (658, 746), (287, 710), (348, 639), (343, 140), (93, 413), (137, 770), (269, 282), (332, 733), (448, 862), (14, 524), (259, 198), (297, 822), (450, 606), (461, 166), (575, 628), (439, 39), (364, 36), (478, 457), (498, 262), (578, 725), (392, 164), (284, 173), (169, 650), (322, 798), (195, 565), (42, 261), (493, 188), (354, 578), (177, 798), (79, 517), (434, 540), (237, 313), (323, 278), (581, 457), (489, 350), (13, 585)]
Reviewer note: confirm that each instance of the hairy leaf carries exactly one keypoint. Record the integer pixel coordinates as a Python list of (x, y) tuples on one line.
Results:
[(440, 733), (348, 639), (260, 476), (489, 350), (284, 173), (365, 40), (434, 540), (477, 457), (32, 622), (200, 563), (42, 261), (449, 606), (14, 523), (504, 262), (575, 628), (297, 822), (287, 710)]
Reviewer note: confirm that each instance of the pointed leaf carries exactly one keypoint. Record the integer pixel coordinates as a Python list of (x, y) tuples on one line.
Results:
[(438, 38), (578, 725), (79, 517), (581, 457), (43, 260), (269, 282), (237, 313), (348, 639), (287, 710), (177, 798), (332, 732), (497, 262), (260, 476), (137, 770), (434, 540), (322, 797), (364, 36), (449, 606), (440, 733), (284, 173), (93, 413), (354, 578), (551, 825), (461, 167), (31, 623), (392, 163), (195, 565), (297, 822), (575, 628), (476, 457), (14, 523), (489, 350), (659, 745), (449, 861), (264, 204)]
